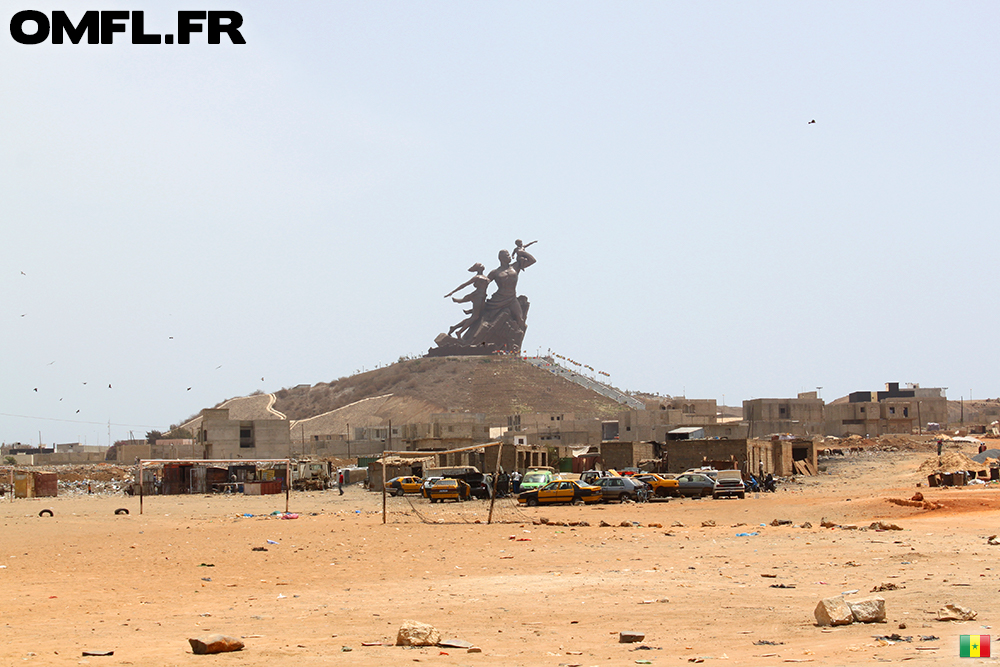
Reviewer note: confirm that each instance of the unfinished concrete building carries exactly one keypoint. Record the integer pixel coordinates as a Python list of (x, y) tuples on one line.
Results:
[(802, 416), (895, 410)]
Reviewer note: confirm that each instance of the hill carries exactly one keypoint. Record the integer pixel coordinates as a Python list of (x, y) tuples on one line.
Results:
[(494, 386)]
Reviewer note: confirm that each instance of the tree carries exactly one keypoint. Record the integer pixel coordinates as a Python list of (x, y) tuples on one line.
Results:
[(153, 436)]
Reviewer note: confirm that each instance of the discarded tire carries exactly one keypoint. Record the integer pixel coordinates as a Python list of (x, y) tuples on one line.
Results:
[(46, 513), (121, 510)]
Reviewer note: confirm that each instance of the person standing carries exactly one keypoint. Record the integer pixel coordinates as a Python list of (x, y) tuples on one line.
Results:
[(940, 444), (340, 482)]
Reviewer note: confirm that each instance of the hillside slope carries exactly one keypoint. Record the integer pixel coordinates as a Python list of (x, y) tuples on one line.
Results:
[(494, 386)]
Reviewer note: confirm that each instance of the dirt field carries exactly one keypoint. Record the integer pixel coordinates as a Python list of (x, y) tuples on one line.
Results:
[(527, 594)]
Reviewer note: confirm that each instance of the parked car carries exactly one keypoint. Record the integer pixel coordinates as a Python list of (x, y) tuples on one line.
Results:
[(695, 484), (400, 485), (729, 483), (707, 472), (660, 486), (591, 476), (428, 483), (562, 491), (535, 479), (448, 489), (622, 488)]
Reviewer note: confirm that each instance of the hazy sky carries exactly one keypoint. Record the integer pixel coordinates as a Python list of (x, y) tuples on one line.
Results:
[(232, 218)]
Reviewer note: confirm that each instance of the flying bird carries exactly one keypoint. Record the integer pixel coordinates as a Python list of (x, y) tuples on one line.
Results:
[(189, 388), (36, 390), (170, 337), (218, 367), (23, 273), (109, 386), (77, 412), (812, 122)]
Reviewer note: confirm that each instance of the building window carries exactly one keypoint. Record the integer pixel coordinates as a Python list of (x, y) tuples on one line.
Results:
[(906, 412), (892, 411)]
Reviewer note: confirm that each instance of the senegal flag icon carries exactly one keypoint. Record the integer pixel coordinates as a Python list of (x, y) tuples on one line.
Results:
[(974, 646)]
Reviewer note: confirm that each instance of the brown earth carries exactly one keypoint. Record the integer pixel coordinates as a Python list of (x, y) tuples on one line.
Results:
[(527, 594), (495, 386)]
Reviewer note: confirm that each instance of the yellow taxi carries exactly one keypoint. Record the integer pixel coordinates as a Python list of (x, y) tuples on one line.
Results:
[(562, 491), (400, 485), (661, 486), (448, 489)]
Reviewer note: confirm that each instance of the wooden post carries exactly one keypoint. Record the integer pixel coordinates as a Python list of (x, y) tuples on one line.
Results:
[(493, 489), (383, 487), (140, 486), (288, 481)]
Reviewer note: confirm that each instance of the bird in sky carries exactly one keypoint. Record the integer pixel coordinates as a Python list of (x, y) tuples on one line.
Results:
[(23, 273), (218, 367), (36, 390), (77, 412), (812, 122), (109, 386), (189, 388), (170, 337)]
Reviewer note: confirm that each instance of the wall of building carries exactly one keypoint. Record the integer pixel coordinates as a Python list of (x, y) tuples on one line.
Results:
[(685, 454)]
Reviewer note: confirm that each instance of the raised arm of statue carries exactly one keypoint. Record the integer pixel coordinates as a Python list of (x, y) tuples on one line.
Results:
[(524, 259)]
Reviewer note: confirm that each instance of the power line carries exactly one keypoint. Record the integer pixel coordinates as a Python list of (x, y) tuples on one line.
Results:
[(74, 421)]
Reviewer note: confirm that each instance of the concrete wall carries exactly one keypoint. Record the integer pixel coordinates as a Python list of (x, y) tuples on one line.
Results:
[(798, 416), (684, 454), (621, 455)]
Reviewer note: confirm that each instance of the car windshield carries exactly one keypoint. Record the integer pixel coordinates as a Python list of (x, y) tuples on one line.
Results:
[(534, 478)]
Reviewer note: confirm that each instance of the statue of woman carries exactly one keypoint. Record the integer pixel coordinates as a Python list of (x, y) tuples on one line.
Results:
[(477, 297)]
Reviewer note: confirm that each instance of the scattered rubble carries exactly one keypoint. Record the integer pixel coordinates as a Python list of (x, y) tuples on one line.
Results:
[(882, 525), (868, 610), (214, 644), (954, 612), (833, 611), (415, 633)]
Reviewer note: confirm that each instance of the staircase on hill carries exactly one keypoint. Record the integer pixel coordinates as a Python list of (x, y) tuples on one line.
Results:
[(593, 385)]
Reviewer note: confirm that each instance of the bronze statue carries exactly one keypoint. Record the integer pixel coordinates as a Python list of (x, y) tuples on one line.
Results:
[(494, 325), (477, 297)]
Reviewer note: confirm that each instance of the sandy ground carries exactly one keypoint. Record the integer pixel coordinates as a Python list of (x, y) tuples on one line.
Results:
[(140, 585)]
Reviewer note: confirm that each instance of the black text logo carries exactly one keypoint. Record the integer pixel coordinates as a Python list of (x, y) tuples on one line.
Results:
[(100, 27)]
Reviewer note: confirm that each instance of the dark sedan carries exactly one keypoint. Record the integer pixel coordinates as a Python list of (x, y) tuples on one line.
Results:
[(622, 488), (695, 485)]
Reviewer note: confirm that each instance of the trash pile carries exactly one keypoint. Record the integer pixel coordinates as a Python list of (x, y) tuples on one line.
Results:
[(81, 479)]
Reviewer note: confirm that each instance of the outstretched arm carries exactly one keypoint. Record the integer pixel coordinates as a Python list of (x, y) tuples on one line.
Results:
[(460, 287)]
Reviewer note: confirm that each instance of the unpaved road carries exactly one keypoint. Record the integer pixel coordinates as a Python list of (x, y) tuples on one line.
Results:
[(526, 594)]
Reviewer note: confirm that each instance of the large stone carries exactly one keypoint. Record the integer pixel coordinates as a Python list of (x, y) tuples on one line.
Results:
[(955, 612), (214, 644), (630, 637), (833, 611), (868, 610), (415, 633)]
